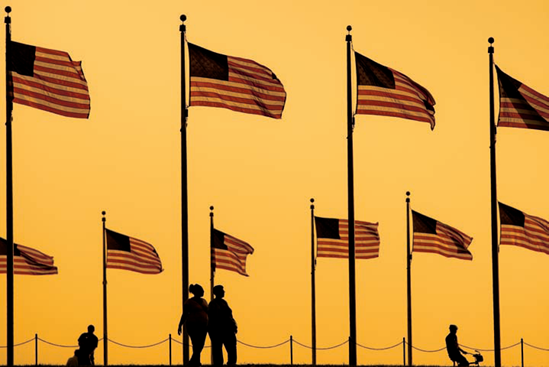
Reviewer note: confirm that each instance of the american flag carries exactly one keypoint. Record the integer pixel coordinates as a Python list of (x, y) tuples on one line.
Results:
[(229, 253), (387, 92), (128, 253), (332, 238), (235, 83), (523, 230), (26, 260), (521, 106), (435, 237), (47, 80)]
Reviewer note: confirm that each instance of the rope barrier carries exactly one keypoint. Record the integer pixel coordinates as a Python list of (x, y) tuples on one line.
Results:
[(539, 348), (190, 345), (268, 347), (58, 345), (138, 346), (319, 348), (489, 350), (386, 348)]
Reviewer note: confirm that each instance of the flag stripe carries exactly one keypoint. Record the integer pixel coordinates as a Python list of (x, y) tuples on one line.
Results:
[(57, 84), (251, 88), (366, 241), (29, 262)]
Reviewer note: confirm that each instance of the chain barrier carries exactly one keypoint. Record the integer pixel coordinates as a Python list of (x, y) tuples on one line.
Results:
[(538, 348), (259, 347), (18, 345), (386, 348), (138, 346), (319, 348)]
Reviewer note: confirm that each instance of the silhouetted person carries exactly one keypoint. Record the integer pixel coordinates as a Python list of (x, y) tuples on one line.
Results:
[(222, 328), (73, 361), (452, 346), (87, 343), (195, 317)]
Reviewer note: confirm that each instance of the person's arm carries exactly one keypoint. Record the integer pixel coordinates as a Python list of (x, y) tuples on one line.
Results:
[(181, 322)]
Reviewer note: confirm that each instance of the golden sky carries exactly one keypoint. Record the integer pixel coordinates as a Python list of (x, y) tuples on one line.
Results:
[(260, 173)]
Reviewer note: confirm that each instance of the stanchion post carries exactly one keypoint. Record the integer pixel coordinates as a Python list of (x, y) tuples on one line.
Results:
[(291, 350), (522, 352), (36, 349), (404, 352), (170, 344)]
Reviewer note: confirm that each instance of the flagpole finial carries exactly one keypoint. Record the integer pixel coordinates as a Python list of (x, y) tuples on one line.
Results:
[(491, 48), (183, 17), (8, 9), (491, 40), (182, 27), (349, 28), (408, 196), (211, 211), (312, 203), (103, 213)]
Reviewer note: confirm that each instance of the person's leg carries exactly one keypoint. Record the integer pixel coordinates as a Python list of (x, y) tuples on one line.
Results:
[(217, 348), (198, 338), (230, 346)]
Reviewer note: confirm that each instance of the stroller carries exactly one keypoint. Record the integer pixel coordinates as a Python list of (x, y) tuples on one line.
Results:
[(478, 358)]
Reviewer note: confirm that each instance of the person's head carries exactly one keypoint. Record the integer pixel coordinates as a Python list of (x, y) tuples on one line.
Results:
[(218, 291), (91, 329), (453, 328), (197, 290)]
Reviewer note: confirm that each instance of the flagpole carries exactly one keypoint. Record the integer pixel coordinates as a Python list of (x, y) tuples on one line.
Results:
[(494, 204), (409, 277), (313, 285), (212, 270), (9, 202), (351, 209), (184, 191), (105, 333)]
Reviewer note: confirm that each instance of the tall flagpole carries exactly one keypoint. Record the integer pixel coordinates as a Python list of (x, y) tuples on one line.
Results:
[(212, 269), (105, 333), (494, 196), (9, 199), (351, 208), (409, 278), (313, 285), (184, 195)]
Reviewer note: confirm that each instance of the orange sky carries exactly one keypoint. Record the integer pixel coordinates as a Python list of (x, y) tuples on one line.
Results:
[(260, 173)]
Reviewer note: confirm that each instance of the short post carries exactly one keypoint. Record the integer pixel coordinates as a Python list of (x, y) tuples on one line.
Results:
[(291, 350), (522, 352), (170, 344), (36, 349), (404, 352)]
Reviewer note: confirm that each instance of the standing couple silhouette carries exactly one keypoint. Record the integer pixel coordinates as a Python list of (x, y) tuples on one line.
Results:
[(215, 319)]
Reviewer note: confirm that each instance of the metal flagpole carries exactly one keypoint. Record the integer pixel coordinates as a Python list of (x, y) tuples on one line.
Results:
[(9, 200), (212, 268), (184, 196), (313, 285), (105, 333), (494, 197), (409, 277), (351, 208)]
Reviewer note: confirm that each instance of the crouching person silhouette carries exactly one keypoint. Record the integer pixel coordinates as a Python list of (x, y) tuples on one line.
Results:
[(222, 328), (195, 317), (452, 346)]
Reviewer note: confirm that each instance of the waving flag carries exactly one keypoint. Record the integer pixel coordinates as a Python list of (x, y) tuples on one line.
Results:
[(128, 253), (229, 253), (435, 237), (521, 106), (332, 236), (26, 260), (523, 230), (235, 83), (47, 80), (387, 92)]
